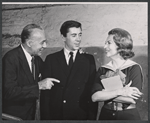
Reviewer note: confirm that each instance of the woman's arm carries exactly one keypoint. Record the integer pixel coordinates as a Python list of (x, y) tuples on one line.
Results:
[(136, 77), (123, 99), (126, 94), (104, 95), (119, 94)]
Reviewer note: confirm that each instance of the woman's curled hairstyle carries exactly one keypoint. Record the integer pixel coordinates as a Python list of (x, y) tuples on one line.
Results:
[(124, 41)]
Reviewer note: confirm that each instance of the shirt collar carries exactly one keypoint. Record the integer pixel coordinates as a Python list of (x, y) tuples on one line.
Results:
[(28, 56), (66, 51)]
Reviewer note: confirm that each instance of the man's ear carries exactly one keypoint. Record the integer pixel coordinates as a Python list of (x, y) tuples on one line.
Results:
[(63, 38), (29, 43)]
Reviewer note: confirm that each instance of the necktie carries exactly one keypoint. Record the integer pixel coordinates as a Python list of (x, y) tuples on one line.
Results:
[(37, 110), (71, 59)]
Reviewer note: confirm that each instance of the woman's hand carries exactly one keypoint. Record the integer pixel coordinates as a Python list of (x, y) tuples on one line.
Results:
[(132, 92)]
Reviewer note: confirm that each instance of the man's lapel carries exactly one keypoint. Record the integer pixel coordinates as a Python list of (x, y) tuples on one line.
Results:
[(24, 64), (78, 63), (63, 63), (37, 65)]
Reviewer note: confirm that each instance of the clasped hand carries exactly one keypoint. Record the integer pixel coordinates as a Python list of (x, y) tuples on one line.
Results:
[(47, 83), (132, 92)]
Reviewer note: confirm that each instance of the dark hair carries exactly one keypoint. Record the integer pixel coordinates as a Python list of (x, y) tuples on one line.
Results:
[(68, 24), (27, 30), (124, 41)]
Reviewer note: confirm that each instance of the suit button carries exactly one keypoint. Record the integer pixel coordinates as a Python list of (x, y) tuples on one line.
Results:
[(64, 101), (78, 88)]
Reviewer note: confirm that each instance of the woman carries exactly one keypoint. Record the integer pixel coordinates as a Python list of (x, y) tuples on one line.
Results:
[(119, 104)]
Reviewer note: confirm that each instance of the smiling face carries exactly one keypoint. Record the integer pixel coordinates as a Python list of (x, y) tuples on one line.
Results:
[(110, 47), (37, 42), (73, 38)]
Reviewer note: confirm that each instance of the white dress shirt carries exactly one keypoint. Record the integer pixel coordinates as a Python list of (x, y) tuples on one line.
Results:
[(28, 57), (67, 55)]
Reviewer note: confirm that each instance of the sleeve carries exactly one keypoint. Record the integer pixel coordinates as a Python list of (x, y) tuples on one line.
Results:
[(12, 89), (92, 106), (136, 76), (45, 98), (97, 86)]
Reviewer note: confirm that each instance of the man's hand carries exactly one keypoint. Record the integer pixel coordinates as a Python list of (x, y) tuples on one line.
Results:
[(47, 83)]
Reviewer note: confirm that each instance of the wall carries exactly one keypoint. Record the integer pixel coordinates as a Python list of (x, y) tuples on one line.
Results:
[(96, 19)]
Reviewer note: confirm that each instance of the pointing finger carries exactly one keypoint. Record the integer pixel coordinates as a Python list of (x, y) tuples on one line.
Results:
[(55, 80)]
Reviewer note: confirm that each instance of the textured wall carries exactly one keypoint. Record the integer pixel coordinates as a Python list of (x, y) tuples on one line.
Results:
[(96, 19)]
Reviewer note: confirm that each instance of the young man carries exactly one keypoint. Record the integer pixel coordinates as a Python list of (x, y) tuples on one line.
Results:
[(20, 86), (69, 99)]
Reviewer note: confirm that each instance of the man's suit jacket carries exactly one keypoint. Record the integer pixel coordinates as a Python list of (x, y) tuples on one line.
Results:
[(20, 91), (70, 99)]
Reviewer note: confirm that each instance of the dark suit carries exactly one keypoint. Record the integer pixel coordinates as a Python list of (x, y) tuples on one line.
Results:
[(20, 91), (70, 99)]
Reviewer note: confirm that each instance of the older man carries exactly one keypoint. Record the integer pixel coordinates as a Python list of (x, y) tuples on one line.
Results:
[(21, 74)]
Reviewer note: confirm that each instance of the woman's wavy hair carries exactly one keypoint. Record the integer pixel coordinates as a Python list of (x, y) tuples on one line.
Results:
[(124, 41)]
